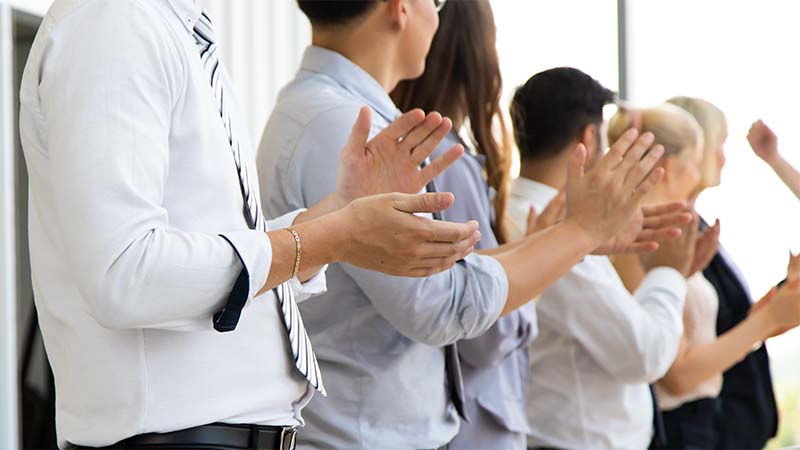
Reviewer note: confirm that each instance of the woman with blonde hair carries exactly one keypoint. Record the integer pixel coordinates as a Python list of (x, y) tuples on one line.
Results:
[(688, 392), (744, 414)]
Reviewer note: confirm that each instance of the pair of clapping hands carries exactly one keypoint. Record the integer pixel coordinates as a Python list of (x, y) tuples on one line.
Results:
[(379, 181)]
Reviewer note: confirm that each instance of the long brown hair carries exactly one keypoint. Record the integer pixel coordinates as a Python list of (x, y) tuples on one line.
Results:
[(462, 80)]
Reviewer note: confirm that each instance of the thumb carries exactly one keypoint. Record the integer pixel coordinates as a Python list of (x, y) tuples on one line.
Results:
[(576, 164), (533, 218), (358, 137), (424, 203)]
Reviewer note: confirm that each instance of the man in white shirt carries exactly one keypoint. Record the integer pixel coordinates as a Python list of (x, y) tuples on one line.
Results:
[(590, 366), (146, 241)]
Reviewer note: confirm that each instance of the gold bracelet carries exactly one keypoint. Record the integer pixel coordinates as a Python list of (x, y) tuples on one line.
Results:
[(298, 251)]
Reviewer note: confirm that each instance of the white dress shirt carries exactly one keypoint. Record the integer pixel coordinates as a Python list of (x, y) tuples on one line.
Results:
[(598, 348), (132, 188), (700, 327)]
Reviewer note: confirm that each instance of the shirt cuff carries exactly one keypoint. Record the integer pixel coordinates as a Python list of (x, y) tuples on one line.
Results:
[(665, 279), (255, 253), (317, 285), (284, 221)]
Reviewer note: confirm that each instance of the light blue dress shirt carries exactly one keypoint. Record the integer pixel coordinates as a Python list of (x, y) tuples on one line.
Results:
[(495, 365), (378, 338)]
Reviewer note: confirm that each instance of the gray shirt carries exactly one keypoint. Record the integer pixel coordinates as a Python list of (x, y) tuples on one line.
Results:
[(495, 365), (378, 338)]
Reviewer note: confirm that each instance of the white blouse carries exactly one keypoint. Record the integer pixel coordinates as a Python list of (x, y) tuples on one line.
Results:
[(700, 327)]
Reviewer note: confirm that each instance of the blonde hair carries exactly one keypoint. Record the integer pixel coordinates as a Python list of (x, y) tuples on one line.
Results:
[(715, 130), (674, 128)]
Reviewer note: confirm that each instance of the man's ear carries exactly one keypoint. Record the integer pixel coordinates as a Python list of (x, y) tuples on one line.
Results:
[(398, 13)]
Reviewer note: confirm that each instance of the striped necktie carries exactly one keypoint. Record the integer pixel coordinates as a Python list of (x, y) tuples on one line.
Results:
[(304, 358)]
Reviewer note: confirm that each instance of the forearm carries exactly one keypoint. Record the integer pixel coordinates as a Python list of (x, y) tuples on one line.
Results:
[(542, 260), (506, 247), (697, 364), (329, 204), (787, 173), (630, 271)]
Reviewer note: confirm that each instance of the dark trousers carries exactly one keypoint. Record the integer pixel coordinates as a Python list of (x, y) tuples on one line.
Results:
[(691, 426)]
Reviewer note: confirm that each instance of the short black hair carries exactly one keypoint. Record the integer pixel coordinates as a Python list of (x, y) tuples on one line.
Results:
[(334, 12), (553, 107)]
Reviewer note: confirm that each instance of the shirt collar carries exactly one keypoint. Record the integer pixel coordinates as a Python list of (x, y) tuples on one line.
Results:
[(534, 192), (351, 77), (188, 11)]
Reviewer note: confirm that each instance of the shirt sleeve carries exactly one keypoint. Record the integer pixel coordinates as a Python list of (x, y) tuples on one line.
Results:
[(515, 331), (110, 78), (633, 337)]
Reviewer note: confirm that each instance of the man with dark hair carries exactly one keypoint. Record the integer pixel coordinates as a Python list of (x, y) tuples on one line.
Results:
[(554, 108), (590, 366), (327, 12), (386, 345)]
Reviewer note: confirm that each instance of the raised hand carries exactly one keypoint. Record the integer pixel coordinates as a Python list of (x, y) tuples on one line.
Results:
[(553, 213), (763, 141), (793, 268), (782, 308), (705, 248), (391, 161), (384, 235), (605, 200)]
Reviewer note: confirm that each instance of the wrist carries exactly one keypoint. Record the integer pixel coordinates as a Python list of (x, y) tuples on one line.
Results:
[(341, 222), (582, 235), (764, 323), (774, 159)]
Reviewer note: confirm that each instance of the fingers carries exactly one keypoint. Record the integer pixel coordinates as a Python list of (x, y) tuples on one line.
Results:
[(618, 150), (533, 219), (662, 208), (449, 232), (576, 164), (440, 164), (423, 145), (636, 152), (642, 247), (421, 132), (635, 172), (649, 183), (403, 125), (554, 212), (660, 234), (675, 219), (423, 203), (456, 249), (360, 134)]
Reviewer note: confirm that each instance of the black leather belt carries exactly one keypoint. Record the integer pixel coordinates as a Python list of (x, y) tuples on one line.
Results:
[(216, 436)]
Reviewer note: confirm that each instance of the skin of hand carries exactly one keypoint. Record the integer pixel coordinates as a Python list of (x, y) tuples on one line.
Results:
[(677, 253), (380, 233), (763, 141), (604, 200), (781, 306), (553, 213), (358, 225), (391, 161), (793, 268), (705, 248), (651, 224)]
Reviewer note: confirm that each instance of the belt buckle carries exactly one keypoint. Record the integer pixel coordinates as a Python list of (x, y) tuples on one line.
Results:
[(288, 438)]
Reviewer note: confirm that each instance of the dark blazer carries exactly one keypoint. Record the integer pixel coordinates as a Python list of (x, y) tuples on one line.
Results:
[(747, 417)]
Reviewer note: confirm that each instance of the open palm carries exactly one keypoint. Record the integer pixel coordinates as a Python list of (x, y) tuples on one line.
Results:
[(393, 160)]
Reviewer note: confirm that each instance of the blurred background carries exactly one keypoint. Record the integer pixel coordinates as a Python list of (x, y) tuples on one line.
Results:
[(742, 56)]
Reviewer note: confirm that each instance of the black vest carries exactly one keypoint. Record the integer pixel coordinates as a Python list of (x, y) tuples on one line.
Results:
[(748, 415)]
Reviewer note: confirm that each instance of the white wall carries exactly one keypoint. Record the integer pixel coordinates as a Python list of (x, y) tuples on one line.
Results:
[(262, 43)]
